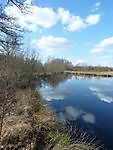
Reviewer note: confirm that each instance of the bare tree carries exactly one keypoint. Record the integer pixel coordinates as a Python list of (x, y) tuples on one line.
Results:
[(57, 65), (9, 43)]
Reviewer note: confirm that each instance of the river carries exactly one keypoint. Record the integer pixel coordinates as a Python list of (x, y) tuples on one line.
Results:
[(86, 102)]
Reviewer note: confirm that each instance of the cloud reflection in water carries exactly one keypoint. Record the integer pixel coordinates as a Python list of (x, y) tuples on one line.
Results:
[(50, 94), (100, 94), (73, 113)]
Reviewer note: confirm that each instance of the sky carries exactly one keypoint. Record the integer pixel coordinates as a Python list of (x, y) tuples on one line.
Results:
[(80, 31)]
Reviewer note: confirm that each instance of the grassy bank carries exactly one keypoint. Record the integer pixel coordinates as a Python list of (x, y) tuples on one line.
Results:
[(91, 73), (29, 126)]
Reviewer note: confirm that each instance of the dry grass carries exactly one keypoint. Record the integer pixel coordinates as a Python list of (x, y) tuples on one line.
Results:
[(15, 126), (30, 122), (92, 73)]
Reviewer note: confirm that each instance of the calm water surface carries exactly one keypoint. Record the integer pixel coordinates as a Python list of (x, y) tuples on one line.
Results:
[(85, 102)]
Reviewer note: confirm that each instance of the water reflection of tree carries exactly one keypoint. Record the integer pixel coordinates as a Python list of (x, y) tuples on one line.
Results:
[(55, 79)]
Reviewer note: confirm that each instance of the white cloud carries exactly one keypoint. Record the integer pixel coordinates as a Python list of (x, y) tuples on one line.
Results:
[(98, 4), (93, 19), (64, 15), (50, 43), (37, 16), (96, 7), (105, 45), (47, 17), (106, 42), (74, 23)]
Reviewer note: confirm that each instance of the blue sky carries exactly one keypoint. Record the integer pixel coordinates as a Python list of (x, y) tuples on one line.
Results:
[(78, 30)]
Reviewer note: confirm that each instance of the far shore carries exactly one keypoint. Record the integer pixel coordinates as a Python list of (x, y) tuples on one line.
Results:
[(91, 73)]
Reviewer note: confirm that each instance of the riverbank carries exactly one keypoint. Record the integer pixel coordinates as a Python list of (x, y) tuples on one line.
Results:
[(91, 73), (31, 126)]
